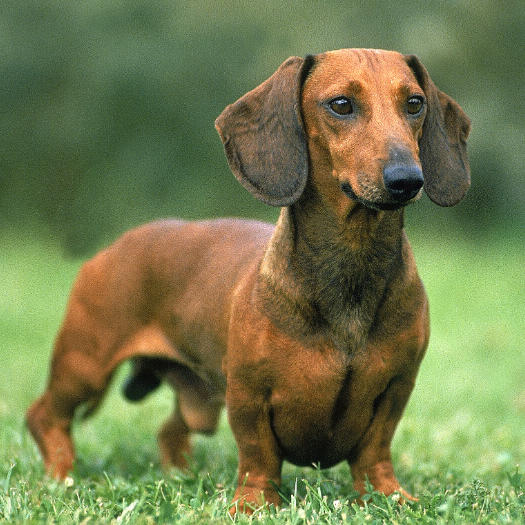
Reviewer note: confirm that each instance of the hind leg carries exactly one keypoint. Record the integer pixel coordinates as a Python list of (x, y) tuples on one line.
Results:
[(75, 379), (197, 409), (51, 432), (174, 441)]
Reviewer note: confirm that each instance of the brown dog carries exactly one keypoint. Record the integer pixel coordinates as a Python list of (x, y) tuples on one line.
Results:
[(312, 332)]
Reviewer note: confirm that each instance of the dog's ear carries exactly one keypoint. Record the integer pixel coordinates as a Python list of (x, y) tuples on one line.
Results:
[(443, 144), (264, 138)]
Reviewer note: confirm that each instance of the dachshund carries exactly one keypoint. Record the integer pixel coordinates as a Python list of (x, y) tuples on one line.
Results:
[(311, 332)]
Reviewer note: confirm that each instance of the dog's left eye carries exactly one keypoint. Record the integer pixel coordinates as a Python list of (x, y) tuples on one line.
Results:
[(415, 104), (341, 106)]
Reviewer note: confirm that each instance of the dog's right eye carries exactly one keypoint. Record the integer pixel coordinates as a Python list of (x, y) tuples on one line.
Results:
[(341, 106)]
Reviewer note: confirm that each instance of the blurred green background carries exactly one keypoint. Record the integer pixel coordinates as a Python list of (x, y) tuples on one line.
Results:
[(108, 105)]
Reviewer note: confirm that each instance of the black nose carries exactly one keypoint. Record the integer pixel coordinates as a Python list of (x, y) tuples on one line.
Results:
[(402, 181)]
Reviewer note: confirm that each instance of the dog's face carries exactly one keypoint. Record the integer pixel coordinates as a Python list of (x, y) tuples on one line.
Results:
[(366, 126), (363, 112)]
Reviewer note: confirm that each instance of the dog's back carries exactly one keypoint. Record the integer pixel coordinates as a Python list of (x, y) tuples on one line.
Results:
[(157, 275)]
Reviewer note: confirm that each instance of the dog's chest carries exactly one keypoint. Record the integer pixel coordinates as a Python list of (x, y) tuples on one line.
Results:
[(324, 403)]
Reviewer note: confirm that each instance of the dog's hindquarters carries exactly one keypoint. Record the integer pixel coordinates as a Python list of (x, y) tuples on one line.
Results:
[(100, 329), (142, 298)]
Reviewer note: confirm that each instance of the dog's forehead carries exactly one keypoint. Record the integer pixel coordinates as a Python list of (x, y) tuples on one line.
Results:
[(362, 59), (344, 65)]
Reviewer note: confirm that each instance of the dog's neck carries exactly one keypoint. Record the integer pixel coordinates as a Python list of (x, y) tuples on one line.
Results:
[(328, 275)]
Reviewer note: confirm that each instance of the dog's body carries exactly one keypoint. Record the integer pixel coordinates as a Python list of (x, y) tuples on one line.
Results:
[(311, 332)]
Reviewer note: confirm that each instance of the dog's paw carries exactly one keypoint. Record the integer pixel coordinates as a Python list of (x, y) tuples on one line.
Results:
[(381, 478), (249, 499)]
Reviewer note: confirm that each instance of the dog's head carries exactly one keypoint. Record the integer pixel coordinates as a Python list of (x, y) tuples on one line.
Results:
[(372, 120)]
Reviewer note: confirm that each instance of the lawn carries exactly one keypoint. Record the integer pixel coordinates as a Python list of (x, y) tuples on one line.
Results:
[(460, 446)]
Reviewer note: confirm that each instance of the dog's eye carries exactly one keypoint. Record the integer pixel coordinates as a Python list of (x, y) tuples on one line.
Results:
[(341, 106), (415, 104)]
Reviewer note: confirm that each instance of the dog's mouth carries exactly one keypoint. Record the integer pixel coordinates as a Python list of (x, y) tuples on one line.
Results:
[(373, 205)]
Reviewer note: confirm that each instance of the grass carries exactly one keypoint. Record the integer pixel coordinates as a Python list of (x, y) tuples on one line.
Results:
[(460, 446)]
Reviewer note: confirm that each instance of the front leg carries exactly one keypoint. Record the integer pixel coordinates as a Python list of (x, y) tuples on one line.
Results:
[(259, 456), (371, 457)]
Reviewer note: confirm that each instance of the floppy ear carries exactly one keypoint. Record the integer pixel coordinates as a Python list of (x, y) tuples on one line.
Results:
[(264, 138), (443, 144)]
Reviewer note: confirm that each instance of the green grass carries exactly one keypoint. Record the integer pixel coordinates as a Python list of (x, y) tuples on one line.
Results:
[(460, 446)]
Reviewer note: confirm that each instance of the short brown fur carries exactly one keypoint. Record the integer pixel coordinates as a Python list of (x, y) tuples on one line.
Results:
[(311, 332)]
